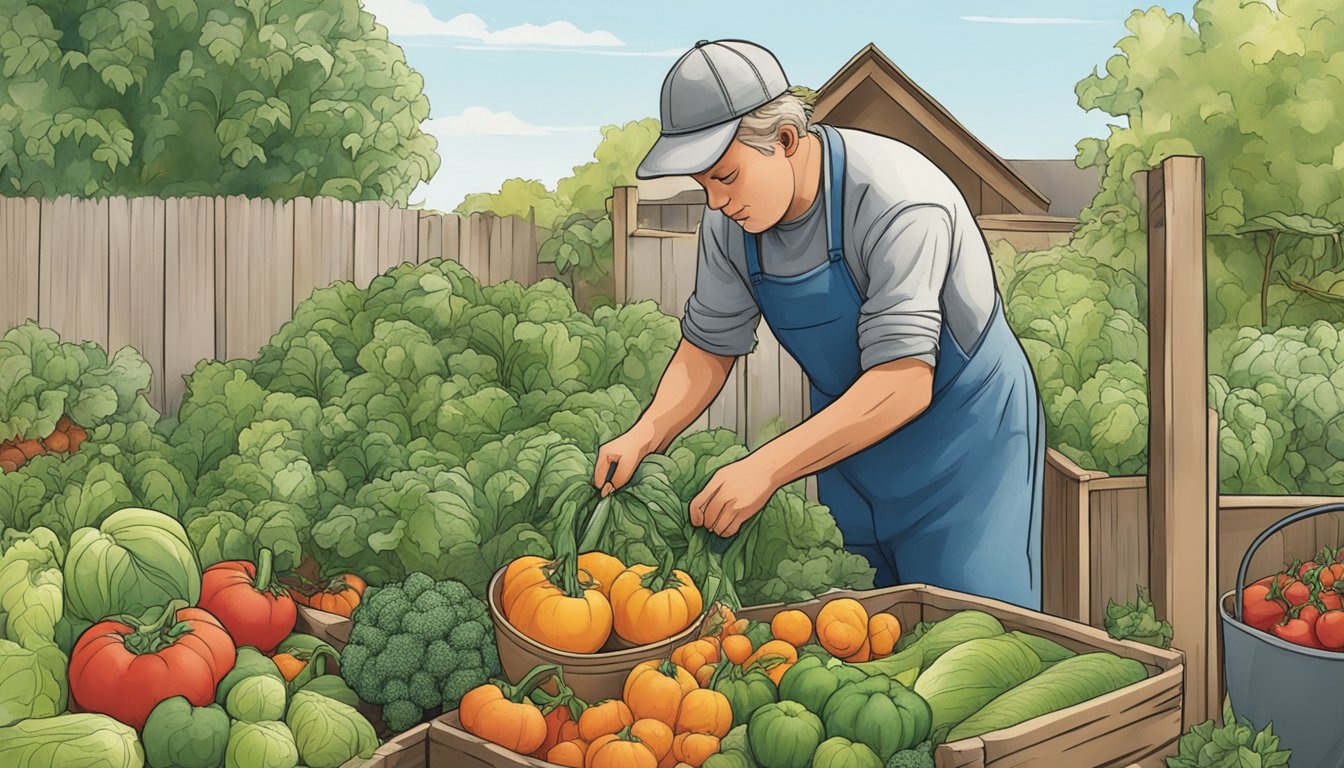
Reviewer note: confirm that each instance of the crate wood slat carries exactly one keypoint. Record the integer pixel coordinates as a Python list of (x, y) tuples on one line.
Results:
[(408, 749)]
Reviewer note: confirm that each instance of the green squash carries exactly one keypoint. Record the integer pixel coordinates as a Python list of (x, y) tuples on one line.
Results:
[(971, 675), (746, 692), (879, 713), (178, 735), (735, 741), (784, 735), (839, 752), (729, 759), (812, 680), (250, 662)]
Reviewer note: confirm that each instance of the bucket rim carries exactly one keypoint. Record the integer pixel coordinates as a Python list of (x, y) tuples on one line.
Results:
[(1266, 637)]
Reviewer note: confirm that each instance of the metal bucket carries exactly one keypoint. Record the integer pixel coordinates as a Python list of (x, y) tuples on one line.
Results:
[(1270, 680)]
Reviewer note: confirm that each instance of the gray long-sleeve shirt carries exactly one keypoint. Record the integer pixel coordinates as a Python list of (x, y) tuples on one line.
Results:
[(918, 258)]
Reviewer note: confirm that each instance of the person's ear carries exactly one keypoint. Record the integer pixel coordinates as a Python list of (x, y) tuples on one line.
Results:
[(788, 138)]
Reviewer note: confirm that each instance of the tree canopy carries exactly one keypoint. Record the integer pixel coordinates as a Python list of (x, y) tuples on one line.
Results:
[(265, 98)]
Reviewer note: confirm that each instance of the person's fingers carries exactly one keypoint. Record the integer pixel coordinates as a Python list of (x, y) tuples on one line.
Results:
[(736, 525), (605, 456), (702, 501), (625, 469), (716, 510)]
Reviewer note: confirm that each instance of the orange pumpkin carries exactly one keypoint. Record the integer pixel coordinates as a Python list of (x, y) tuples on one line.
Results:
[(568, 753), (704, 674), (643, 614), (578, 623), (793, 627), (601, 569), (339, 594), (695, 654), (604, 719), (705, 710), (501, 714), (737, 648), (883, 632), (776, 673), (654, 689), (772, 648), (620, 750), (655, 734), (521, 573), (694, 748), (842, 627)]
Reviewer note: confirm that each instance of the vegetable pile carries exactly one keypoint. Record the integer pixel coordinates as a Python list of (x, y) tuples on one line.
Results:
[(848, 690), (118, 647), (1302, 604)]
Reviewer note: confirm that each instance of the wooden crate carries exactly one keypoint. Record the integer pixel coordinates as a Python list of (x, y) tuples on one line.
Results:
[(325, 626), (452, 747), (1136, 725), (406, 750)]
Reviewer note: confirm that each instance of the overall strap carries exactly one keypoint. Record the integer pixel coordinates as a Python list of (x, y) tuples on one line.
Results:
[(835, 196)]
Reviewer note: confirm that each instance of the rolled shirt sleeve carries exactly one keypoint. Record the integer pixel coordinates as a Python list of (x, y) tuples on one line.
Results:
[(721, 315), (908, 253)]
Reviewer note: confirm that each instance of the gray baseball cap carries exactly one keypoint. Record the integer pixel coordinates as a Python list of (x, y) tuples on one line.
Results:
[(705, 96)]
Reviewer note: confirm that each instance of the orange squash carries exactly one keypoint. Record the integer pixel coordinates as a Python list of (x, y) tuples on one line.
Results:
[(501, 714), (568, 753), (737, 648), (770, 648), (793, 627), (694, 749), (604, 719), (620, 750), (578, 621), (646, 611), (842, 627), (654, 689), (704, 674), (695, 654), (776, 673), (705, 710), (654, 734), (521, 573), (601, 569), (883, 632)]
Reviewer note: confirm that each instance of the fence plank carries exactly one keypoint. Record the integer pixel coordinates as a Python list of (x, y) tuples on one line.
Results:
[(522, 251), (20, 240), (762, 382), (498, 265), (216, 209), (308, 256), (367, 241), (1119, 533), (452, 234), (74, 289), (390, 233), (410, 236), (646, 269), (189, 283), (1065, 539), (135, 283)]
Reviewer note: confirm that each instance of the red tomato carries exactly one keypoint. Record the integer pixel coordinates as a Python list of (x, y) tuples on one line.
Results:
[(1296, 593), (251, 604), (1309, 614), (1306, 568), (1297, 631), (123, 672), (1259, 609), (1281, 579), (1331, 600), (1330, 630)]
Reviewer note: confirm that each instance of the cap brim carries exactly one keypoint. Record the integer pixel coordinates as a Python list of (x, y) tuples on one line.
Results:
[(688, 153)]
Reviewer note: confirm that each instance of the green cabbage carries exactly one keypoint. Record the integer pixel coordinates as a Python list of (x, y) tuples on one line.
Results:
[(328, 733), (136, 560), (256, 699), (261, 745), (32, 667), (178, 735), (84, 740), (972, 674)]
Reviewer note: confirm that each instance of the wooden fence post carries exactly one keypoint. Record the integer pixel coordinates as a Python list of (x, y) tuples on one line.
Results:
[(1183, 517), (624, 217)]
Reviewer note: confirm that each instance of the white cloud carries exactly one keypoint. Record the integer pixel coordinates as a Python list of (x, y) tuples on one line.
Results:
[(483, 121), (1034, 20), (411, 18)]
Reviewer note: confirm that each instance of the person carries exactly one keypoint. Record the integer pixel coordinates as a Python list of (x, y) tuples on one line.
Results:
[(867, 264)]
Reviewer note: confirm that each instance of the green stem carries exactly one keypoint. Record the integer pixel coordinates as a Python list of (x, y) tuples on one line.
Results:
[(264, 574), (1264, 286), (529, 683), (152, 636)]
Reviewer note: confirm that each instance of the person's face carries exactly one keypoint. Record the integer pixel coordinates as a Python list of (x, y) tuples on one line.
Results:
[(753, 188)]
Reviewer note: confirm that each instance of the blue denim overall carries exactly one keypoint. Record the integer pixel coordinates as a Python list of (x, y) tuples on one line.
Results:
[(953, 498)]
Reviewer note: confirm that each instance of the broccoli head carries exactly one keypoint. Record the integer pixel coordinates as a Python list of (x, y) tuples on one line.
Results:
[(418, 645), (918, 756)]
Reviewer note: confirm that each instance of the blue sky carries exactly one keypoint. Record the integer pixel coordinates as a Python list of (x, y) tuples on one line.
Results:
[(520, 89)]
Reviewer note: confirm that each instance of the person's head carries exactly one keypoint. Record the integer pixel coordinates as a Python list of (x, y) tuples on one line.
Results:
[(730, 121)]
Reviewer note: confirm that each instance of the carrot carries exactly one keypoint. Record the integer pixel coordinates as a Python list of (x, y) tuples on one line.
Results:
[(289, 665), (13, 456), (77, 436), (736, 648), (57, 442), (30, 448), (64, 423), (8, 466)]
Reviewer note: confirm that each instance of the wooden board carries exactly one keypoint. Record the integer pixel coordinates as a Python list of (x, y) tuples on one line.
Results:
[(409, 749), (452, 234), (220, 215), (762, 391), (324, 235), (367, 240), (20, 240), (450, 745), (259, 273), (136, 283), (189, 291), (73, 281)]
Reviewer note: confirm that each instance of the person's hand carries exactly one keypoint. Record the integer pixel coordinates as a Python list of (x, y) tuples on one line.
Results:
[(735, 493), (625, 451)]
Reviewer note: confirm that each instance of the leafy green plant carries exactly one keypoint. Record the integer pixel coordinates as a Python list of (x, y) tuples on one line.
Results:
[(1209, 745), (1276, 226), (1137, 621), (276, 99)]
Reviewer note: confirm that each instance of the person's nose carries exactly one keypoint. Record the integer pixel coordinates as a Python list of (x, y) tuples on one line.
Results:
[(716, 200)]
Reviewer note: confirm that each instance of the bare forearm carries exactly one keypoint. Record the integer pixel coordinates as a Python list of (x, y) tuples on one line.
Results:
[(691, 382), (881, 401)]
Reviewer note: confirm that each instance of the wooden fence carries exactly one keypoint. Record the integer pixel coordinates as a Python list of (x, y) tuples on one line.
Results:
[(183, 279)]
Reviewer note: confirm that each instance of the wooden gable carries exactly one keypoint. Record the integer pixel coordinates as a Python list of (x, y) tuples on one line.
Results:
[(871, 93)]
